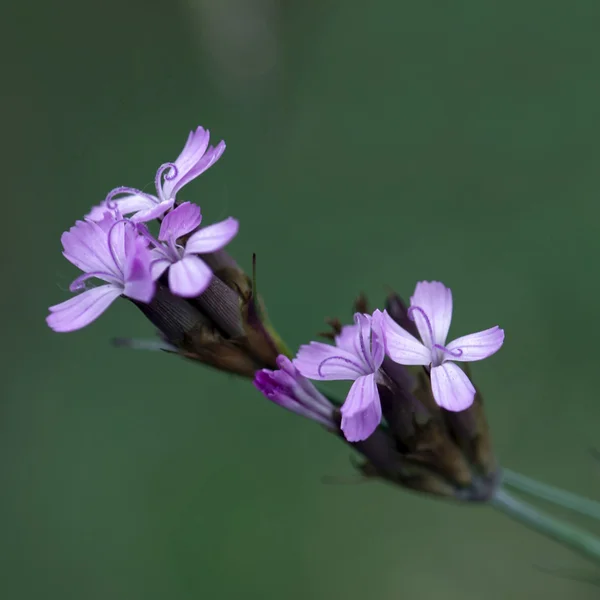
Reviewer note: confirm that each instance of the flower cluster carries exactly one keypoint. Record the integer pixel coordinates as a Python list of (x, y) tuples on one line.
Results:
[(122, 252), (423, 428), (360, 350)]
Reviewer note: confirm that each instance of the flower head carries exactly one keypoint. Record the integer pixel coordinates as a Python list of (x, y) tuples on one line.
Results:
[(357, 356), (288, 388), (110, 250), (195, 158), (189, 275), (431, 310)]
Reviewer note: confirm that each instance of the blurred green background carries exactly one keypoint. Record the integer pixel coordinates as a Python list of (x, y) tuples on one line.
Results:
[(368, 144)]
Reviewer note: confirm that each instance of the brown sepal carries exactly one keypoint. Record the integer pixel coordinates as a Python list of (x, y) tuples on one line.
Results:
[(361, 304), (433, 443), (209, 347), (336, 329), (434, 447), (259, 341)]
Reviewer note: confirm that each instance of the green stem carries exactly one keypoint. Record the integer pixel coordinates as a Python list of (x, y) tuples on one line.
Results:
[(568, 500), (572, 537)]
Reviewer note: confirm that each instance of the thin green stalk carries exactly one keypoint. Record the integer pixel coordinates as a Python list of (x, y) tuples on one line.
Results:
[(568, 500), (582, 542)]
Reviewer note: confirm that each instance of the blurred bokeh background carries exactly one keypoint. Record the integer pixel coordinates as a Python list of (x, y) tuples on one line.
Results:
[(368, 144)]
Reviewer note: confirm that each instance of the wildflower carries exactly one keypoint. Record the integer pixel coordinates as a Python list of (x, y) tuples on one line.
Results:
[(431, 309), (357, 356), (189, 275), (288, 388), (110, 250), (195, 158)]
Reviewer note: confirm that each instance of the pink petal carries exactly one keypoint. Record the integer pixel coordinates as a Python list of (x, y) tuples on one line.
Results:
[(324, 362), (81, 310), (435, 300), (361, 412), (451, 387), (211, 238), (401, 346), (189, 277), (180, 221), (476, 346)]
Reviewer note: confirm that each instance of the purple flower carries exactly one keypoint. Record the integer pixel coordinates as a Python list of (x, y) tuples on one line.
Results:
[(189, 275), (288, 388), (431, 309), (195, 158), (110, 250), (357, 356)]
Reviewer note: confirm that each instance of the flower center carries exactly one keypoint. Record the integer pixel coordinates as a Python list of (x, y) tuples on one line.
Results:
[(439, 353), (455, 353), (170, 250)]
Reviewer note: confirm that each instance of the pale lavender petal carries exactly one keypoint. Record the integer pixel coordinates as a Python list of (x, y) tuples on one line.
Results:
[(278, 391), (451, 387), (211, 156), (189, 277), (81, 310), (361, 412), (153, 212), (377, 339), (324, 362), (133, 241), (364, 340), (159, 264), (401, 346), (294, 392), (139, 283), (363, 343), (475, 346), (134, 203), (305, 392), (208, 160), (212, 238), (86, 246), (434, 301), (108, 219), (192, 153), (180, 221), (195, 158), (123, 240), (97, 212), (345, 340), (120, 237)]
